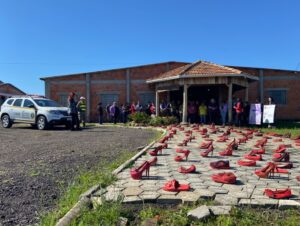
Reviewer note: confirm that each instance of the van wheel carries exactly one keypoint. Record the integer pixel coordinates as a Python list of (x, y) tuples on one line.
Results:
[(41, 123), (6, 122)]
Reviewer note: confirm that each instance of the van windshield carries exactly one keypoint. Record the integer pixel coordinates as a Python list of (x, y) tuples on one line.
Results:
[(46, 103)]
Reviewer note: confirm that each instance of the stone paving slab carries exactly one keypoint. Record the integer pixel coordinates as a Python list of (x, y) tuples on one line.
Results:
[(249, 189)]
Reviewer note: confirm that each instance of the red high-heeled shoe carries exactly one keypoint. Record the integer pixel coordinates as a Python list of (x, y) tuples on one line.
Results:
[(281, 157), (153, 161), (246, 162), (278, 194), (226, 152), (156, 150), (242, 140), (266, 171), (136, 173), (184, 170), (284, 165), (225, 178), (185, 155), (204, 145), (222, 139), (234, 145), (209, 150)]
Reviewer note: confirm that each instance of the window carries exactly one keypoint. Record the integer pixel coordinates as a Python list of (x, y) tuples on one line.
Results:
[(108, 99), (10, 101), (145, 98), (279, 96), (18, 102), (46, 103), (63, 99), (27, 104)]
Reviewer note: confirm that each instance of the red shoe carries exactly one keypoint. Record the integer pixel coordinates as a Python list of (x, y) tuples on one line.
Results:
[(222, 139), (225, 178), (287, 165), (266, 171), (209, 150), (136, 173), (155, 151), (280, 149), (246, 162), (278, 194), (153, 161), (209, 139), (204, 145), (191, 169), (234, 145), (222, 164), (281, 157), (277, 140), (253, 157), (242, 140), (226, 152), (185, 155), (174, 186), (298, 178), (258, 152), (183, 143), (178, 150)]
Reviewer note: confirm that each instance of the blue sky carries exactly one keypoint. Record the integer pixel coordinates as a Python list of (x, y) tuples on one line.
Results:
[(54, 37)]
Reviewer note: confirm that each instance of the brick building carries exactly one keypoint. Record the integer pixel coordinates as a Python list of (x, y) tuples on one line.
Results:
[(134, 83), (7, 89)]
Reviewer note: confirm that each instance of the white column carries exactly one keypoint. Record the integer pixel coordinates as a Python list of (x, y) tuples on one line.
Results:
[(230, 102), (184, 104), (156, 103)]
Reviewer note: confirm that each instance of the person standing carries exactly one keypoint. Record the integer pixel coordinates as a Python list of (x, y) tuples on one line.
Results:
[(73, 111), (114, 112), (107, 107), (202, 112), (132, 108), (223, 111), (81, 106), (212, 110), (124, 112), (239, 110), (100, 113)]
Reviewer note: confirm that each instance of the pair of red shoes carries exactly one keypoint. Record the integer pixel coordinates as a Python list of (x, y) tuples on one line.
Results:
[(242, 140), (156, 150), (246, 162), (278, 194), (185, 155), (269, 170), (209, 150), (227, 152), (174, 186), (191, 169), (253, 157), (136, 173), (225, 178), (205, 145), (234, 145)]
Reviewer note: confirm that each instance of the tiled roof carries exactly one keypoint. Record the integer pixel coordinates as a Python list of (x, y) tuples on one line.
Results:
[(198, 68)]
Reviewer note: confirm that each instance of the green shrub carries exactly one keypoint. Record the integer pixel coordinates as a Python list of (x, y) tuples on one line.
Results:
[(158, 121), (140, 118)]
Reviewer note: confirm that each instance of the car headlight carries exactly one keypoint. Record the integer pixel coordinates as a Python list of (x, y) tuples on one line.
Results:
[(54, 112)]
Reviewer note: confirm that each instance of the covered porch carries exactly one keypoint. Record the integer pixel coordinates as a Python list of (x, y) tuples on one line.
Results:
[(204, 79)]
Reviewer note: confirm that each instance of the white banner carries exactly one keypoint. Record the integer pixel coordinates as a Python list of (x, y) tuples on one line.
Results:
[(255, 114), (268, 115)]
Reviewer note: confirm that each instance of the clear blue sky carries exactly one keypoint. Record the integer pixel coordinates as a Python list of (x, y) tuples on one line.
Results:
[(52, 37)]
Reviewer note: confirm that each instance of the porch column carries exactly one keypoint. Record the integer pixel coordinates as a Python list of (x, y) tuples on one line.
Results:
[(247, 93), (185, 103), (156, 103), (230, 102)]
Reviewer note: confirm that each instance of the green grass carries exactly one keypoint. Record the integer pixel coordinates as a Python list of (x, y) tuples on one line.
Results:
[(97, 175), (238, 216)]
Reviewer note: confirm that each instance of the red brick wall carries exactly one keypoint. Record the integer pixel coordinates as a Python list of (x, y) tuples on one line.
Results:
[(140, 73), (8, 88)]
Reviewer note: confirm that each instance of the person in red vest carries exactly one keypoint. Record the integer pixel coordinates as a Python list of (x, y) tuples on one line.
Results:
[(239, 110)]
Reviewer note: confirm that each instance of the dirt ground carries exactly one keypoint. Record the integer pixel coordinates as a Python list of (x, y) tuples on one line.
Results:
[(35, 164)]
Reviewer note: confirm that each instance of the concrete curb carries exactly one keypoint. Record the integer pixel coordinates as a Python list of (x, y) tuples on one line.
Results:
[(84, 198)]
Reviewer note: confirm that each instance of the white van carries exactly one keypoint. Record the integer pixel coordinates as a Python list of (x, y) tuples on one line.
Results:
[(35, 110)]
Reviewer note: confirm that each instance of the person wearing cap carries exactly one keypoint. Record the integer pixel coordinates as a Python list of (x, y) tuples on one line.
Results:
[(81, 105), (73, 111)]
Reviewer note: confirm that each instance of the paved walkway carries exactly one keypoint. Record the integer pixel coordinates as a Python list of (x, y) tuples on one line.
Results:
[(249, 188)]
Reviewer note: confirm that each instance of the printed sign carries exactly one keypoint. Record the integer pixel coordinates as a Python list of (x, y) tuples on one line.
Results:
[(255, 114), (268, 115)]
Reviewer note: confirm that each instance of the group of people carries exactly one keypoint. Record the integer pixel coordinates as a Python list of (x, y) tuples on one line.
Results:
[(115, 113), (77, 110)]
